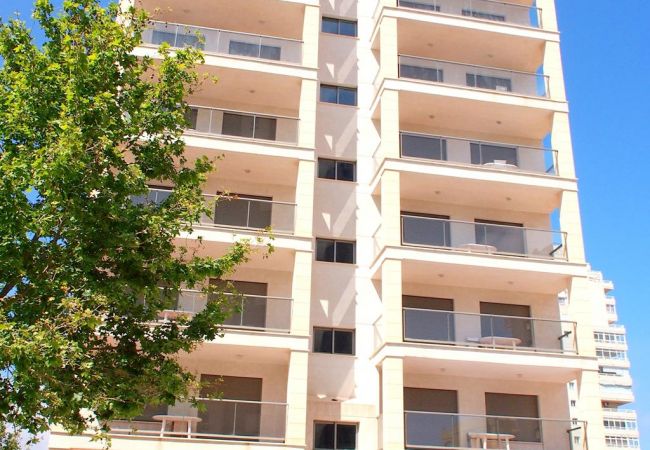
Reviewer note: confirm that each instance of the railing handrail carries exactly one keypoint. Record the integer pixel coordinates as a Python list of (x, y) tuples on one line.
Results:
[(487, 1), (228, 31), (473, 65), (242, 197), (270, 297), (564, 233), (485, 416), (490, 315), (252, 113), (478, 141), (231, 400)]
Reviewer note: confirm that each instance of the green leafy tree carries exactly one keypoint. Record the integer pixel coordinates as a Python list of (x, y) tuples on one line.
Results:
[(84, 126)]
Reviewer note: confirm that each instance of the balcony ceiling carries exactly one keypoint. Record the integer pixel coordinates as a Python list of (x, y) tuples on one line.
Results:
[(268, 17), (442, 42), (471, 117)]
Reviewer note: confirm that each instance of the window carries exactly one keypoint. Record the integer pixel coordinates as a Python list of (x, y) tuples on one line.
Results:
[(156, 195), (339, 26), (335, 436), (191, 116), (331, 340), (611, 354), (573, 403), (430, 418), (249, 126), (336, 170), (621, 441), (425, 147), (524, 410), (620, 424), (611, 309), (428, 319), (506, 320), (330, 250), (483, 15), (420, 73), (489, 82), (493, 154), (338, 94), (419, 5), (609, 338)]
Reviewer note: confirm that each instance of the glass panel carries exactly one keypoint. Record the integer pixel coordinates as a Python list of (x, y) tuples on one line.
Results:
[(347, 28), (265, 128), (231, 212), (423, 325), (244, 49), (420, 73), (345, 252), (323, 340), (327, 169), (330, 25), (506, 239), (247, 420), (484, 15), (158, 37), (328, 94), (489, 82), (424, 147), (347, 96), (418, 5), (345, 171), (150, 411), (324, 436), (271, 52), (425, 231), (191, 115), (346, 437), (493, 154), (344, 342), (325, 250), (520, 406), (431, 430), (237, 125), (524, 430), (260, 213)]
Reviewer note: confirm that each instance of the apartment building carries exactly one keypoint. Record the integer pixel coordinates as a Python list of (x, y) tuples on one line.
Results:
[(620, 422), (414, 161)]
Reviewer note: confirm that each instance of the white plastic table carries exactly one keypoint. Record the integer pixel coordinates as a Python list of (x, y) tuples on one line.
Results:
[(166, 418), (500, 340), (480, 439)]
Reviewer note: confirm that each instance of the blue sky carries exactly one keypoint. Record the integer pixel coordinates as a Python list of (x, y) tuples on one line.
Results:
[(606, 59)]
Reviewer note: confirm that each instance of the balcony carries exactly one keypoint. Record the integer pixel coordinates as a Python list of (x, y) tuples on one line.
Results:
[(435, 430), (488, 155), (483, 238), (487, 331), (253, 312), (245, 125), (223, 42), (510, 13), (229, 419), (473, 76)]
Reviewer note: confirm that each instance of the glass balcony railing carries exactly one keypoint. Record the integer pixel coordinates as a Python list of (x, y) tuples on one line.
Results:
[(466, 75), (485, 154), (525, 15), (433, 430), (224, 42), (241, 124), (479, 237), (228, 419), (489, 331), (254, 312), (237, 211)]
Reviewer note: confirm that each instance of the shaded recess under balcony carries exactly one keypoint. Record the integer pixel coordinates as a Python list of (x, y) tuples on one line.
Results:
[(522, 13)]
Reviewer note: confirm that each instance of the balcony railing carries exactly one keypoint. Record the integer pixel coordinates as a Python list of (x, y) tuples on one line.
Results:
[(485, 154), (221, 419), (249, 125), (433, 430), (254, 312), (480, 237), (525, 15), (488, 78), (224, 42), (489, 331), (237, 211)]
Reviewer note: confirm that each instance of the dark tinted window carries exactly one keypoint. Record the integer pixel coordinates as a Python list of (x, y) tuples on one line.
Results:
[(335, 436), (330, 250), (427, 147), (339, 26), (336, 170), (338, 94), (329, 340), (347, 96), (191, 115)]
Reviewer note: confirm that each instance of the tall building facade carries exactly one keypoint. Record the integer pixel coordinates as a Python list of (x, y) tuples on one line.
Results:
[(414, 161)]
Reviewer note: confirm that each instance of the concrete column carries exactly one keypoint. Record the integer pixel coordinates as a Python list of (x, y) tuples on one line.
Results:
[(590, 408), (391, 298), (549, 16), (571, 224), (390, 124), (392, 392), (310, 33), (553, 69), (304, 198), (297, 399), (301, 293), (391, 228), (307, 114), (388, 48), (561, 141), (581, 310)]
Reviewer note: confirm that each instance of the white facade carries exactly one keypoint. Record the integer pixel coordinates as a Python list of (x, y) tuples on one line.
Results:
[(455, 231)]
